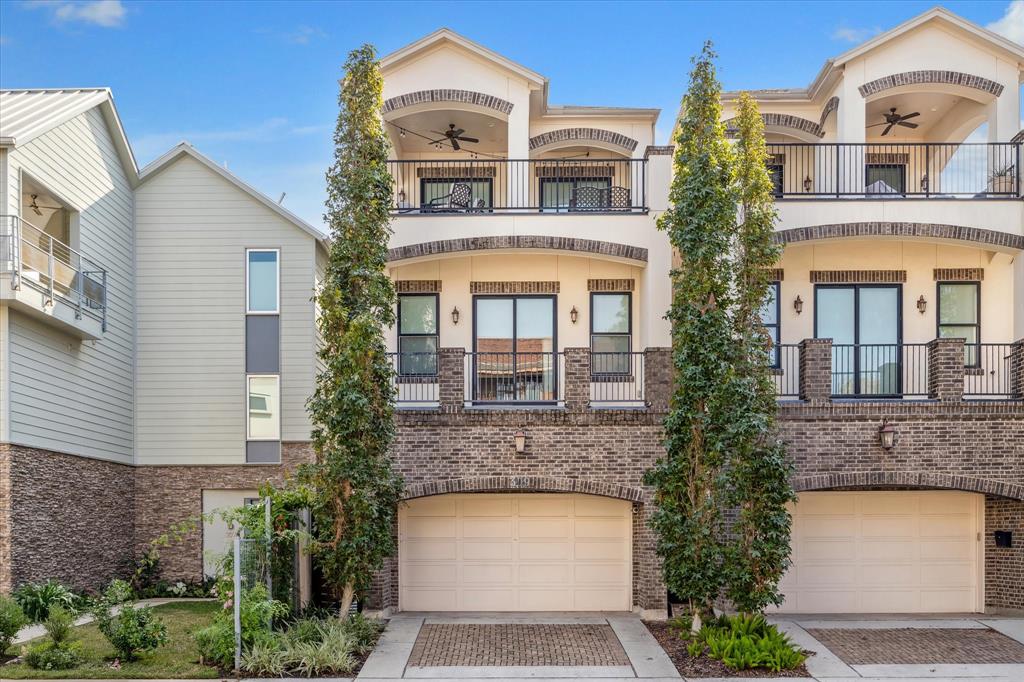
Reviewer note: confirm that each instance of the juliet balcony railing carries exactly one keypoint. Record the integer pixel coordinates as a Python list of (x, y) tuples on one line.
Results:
[(484, 186), (31, 258), (877, 171)]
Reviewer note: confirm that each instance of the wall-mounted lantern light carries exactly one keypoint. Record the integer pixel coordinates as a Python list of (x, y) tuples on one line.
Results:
[(887, 434), (455, 315), (807, 183), (520, 438), (922, 304), (798, 304), (401, 196), (924, 182), (574, 315)]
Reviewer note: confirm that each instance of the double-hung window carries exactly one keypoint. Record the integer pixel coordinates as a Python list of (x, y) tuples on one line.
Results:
[(417, 334), (263, 281), (770, 321), (611, 329), (959, 316)]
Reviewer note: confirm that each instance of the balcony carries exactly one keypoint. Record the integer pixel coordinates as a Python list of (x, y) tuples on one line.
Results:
[(884, 171), (485, 186), (50, 280)]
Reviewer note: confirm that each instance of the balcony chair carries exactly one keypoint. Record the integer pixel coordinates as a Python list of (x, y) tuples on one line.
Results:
[(459, 199), (599, 199)]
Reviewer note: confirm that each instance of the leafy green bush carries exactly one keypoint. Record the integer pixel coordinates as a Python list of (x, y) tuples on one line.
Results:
[(743, 642), (216, 644), (266, 657), (58, 624), (36, 599), (312, 647), (12, 620), (51, 656), (118, 592), (131, 630)]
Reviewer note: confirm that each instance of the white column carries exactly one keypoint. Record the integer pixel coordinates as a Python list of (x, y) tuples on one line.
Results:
[(1018, 295), (656, 284), (519, 181), (847, 163)]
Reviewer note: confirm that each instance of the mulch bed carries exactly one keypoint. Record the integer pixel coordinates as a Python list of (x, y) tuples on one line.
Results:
[(703, 666)]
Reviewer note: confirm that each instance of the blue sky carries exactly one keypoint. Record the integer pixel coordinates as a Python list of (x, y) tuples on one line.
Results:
[(255, 84)]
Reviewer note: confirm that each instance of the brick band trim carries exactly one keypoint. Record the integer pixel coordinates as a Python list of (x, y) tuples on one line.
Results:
[(776, 274), (780, 121), (850, 276), (610, 284), (831, 105), (667, 149), (514, 287), (913, 479), (885, 229), (593, 134), (930, 76), (958, 274), (446, 246), (418, 286), (504, 484), (446, 95)]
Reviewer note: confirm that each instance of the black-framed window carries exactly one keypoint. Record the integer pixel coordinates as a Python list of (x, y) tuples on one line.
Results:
[(515, 342), (777, 172), (557, 193), (611, 332), (418, 316), (959, 316), (482, 190), (770, 321), (893, 177)]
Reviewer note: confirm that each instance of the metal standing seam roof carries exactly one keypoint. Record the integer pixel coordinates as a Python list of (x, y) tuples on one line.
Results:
[(25, 114)]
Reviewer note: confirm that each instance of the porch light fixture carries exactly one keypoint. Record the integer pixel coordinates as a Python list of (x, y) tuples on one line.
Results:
[(401, 195), (887, 434), (574, 315), (922, 304), (807, 183), (798, 304), (455, 315), (520, 438), (924, 182)]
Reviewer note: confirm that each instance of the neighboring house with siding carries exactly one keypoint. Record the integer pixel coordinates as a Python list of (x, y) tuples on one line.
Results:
[(531, 349)]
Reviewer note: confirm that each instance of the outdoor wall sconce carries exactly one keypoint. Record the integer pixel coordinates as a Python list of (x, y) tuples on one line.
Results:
[(455, 315), (520, 438), (922, 305), (924, 182), (887, 434), (574, 315), (401, 195), (807, 183), (798, 304)]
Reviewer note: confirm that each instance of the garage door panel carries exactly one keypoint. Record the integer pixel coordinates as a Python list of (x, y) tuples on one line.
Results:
[(899, 551), (442, 505), (516, 552)]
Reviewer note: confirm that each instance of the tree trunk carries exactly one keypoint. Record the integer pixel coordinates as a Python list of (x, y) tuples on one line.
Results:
[(347, 596)]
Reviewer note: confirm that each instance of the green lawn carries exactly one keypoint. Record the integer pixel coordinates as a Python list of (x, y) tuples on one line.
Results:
[(179, 658)]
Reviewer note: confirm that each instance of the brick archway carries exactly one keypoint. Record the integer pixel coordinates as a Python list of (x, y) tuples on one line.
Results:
[(585, 134), (928, 77), (908, 479), (446, 246), (461, 96), (797, 123), (976, 235), (524, 484)]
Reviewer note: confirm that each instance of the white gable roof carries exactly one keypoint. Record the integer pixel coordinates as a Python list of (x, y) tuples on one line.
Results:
[(446, 35), (27, 114), (186, 149)]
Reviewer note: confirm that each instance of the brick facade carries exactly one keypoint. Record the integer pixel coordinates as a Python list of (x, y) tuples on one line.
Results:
[(470, 244), (930, 76), (583, 134), (448, 95)]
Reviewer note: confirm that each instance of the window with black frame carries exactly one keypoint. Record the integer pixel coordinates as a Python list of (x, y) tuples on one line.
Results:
[(778, 174), (439, 193), (611, 329), (770, 321), (561, 194), (959, 316), (417, 334), (885, 178)]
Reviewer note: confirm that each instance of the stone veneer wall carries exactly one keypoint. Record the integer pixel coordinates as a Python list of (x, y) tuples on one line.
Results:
[(1004, 566), (64, 517)]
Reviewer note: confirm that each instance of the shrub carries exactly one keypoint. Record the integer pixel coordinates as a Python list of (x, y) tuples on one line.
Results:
[(36, 599), (216, 644), (746, 641), (12, 620), (266, 657), (51, 656), (132, 630), (312, 647), (58, 624), (118, 592)]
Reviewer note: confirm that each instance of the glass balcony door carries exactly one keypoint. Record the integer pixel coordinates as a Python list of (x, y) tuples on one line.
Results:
[(863, 321), (515, 357)]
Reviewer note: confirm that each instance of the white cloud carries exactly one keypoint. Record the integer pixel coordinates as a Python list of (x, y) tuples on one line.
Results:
[(304, 35), (1011, 25), (106, 13), (847, 34)]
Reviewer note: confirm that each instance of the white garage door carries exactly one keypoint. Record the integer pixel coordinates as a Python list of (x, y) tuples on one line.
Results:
[(885, 552), (515, 552)]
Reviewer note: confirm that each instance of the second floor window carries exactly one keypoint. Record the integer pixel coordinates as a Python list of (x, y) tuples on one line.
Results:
[(777, 173), (959, 316), (610, 333), (262, 281), (885, 178), (417, 334), (264, 395), (770, 321), (563, 195)]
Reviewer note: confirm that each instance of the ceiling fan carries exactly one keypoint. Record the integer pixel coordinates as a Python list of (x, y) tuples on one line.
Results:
[(454, 136), (894, 119)]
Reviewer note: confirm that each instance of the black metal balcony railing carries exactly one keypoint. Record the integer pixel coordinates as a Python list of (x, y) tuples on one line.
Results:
[(786, 370), (493, 186), (530, 378), (880, 370), (617, 379), (987, 373), (416, 379), (922, 170)]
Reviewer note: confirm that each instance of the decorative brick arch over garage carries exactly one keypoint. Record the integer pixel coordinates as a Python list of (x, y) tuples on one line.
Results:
[(584, 135), (583, 246), (928, 77), (974, 235), (461, 96), (525, 484), (908, 479)]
